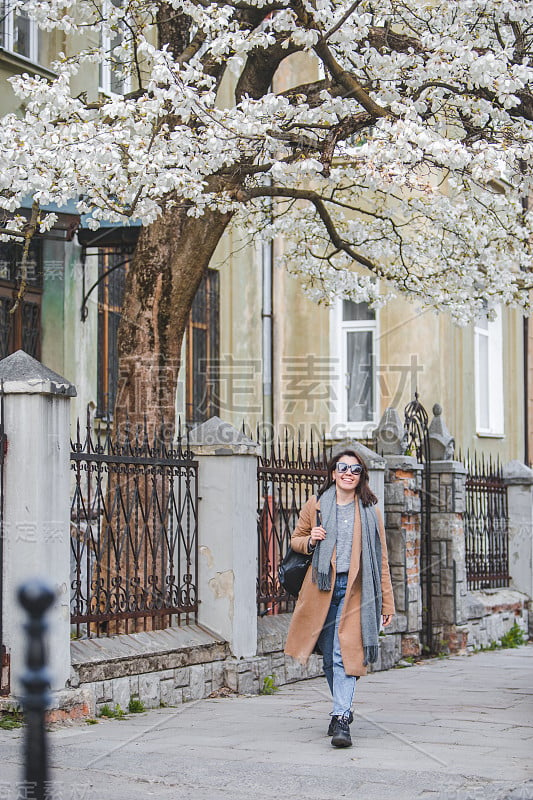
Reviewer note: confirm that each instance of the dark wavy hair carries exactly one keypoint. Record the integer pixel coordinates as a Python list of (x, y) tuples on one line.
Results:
[(368, 498)]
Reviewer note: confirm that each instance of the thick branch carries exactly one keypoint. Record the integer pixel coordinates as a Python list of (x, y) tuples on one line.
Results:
[(383, 38), (312, 92), (344, 78), (346, 128), (260, 68), (245, 195)]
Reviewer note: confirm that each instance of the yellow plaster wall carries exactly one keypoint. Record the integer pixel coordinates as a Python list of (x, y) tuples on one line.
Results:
[(417, 350), (240, 380)]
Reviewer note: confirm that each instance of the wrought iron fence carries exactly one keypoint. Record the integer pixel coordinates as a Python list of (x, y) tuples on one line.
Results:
[(287, 475), (133, 532), (486, 523)]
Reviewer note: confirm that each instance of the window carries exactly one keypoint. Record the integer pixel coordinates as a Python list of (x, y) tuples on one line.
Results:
[(354, 343), (112, 268), (20, 34), (20, 329), (202, 337), (489, 376), (111, 78), (203, 351)]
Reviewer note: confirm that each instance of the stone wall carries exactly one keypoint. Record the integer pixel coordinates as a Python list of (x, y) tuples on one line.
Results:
[(175, 666), (167, 668), (492, 613)]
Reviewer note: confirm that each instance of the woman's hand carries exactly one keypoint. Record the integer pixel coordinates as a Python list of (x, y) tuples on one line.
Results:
[(387, 619), (317, 535)]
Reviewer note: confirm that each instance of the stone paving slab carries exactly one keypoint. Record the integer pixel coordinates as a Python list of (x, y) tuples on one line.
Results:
[(454, 729)]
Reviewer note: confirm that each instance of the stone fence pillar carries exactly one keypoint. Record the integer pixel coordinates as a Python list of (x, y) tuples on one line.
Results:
[(36, 520), (519, 480), (227, 529), (449, 602), (402, 507)]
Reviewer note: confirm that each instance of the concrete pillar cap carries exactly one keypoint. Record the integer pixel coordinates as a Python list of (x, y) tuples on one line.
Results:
[(218, 438), (22, 374), (441, 442), (390, 434), (515, 472)]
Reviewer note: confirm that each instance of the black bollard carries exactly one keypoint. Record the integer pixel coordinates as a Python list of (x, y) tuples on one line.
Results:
[(36, 597)]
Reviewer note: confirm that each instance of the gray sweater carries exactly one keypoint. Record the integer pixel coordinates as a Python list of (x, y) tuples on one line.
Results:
[(345, 522)]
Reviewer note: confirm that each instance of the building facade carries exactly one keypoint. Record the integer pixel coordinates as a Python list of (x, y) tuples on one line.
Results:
[(256, 349)]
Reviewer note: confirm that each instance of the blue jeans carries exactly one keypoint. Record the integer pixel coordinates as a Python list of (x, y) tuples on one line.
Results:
[(341, 685)]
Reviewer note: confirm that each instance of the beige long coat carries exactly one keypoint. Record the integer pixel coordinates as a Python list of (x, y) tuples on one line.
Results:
[(313, 604)]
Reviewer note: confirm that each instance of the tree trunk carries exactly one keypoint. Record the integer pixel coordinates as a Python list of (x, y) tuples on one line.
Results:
[(171, 257), (138, 543)]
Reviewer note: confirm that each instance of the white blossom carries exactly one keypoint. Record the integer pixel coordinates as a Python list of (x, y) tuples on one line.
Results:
[(428, 196)]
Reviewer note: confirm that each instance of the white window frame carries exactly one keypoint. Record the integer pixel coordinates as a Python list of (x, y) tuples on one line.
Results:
[(493, 381), (340, 426), (8, 34), (105, 70)]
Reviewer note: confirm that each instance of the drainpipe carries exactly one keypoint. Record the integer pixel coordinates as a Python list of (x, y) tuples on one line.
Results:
[(526, 391), (267, 332), (527, 454)]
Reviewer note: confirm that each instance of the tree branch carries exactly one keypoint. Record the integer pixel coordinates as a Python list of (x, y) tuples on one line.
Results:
[(344, 129), (260, 67), (341, 76), (245, 195), (29, 232), (342, 20)]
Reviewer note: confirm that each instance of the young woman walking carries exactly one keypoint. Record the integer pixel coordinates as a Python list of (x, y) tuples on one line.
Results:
[(347, 591)]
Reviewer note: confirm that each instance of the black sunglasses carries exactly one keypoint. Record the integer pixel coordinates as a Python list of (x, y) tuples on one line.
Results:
[(355, 469)]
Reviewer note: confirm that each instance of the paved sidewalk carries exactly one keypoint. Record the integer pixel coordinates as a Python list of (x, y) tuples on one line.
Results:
[(460, 728)]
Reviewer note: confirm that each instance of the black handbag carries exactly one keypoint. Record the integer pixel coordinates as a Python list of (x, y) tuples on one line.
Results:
[(293, 568)]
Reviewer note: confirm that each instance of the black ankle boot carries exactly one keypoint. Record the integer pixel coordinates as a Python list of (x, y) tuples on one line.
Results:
[(341, 733), (331, 729)]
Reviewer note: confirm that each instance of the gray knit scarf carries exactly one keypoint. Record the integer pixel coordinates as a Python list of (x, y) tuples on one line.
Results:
[(370, 565)]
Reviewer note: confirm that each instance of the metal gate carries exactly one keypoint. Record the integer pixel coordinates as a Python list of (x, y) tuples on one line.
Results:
[(287, 475), (486, 522), (4, 655), (416, 427), (134, 532)]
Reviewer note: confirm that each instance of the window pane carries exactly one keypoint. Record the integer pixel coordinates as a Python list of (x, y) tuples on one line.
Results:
[(4, 25), (5, 327), (483, 381), (353, 312), (199, 374), (31, 329), (110, 301), (199, 305), (11, 260), (117, 79), (21, 35), (360, 368), (214, 337), (203, 351)]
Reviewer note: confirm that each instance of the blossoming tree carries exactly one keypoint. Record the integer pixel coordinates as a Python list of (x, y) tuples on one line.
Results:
[(405, 168)]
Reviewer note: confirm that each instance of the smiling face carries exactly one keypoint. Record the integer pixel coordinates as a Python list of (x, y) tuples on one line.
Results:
[(346, 481)]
